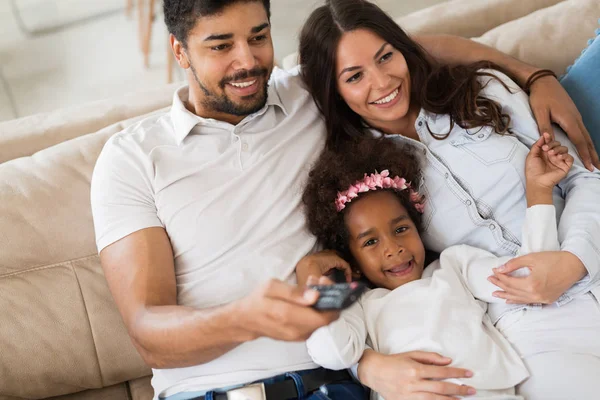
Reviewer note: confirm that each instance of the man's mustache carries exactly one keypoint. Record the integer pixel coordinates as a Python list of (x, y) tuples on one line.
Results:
[(245, 74)]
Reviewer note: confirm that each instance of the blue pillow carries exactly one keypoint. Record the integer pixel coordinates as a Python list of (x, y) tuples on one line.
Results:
[(582, 82)]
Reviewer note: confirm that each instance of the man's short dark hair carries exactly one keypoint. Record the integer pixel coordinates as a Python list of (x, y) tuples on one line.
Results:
[(181, 15)]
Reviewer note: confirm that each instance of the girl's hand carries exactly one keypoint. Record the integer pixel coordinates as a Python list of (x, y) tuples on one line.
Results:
[(413, 375), (550, 103), (552, 274), (547, 163), (320, 264)]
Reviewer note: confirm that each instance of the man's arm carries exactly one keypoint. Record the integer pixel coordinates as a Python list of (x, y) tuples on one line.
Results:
[(455, 50), (141, 275), (549, 101), (140, 272)]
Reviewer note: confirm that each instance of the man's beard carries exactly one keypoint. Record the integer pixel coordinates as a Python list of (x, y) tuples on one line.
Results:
[(223, 104)]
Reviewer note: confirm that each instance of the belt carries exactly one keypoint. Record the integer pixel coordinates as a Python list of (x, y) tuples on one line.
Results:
[(283, 390)]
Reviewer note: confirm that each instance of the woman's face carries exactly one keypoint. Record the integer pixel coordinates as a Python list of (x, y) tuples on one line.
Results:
[(383, 240), (372, 77)]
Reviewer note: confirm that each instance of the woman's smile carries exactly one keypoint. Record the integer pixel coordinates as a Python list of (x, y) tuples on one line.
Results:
[(389, 100)]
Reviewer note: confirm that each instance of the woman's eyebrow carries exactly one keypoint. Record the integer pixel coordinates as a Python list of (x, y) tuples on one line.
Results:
[(375, 57), (348, 69)]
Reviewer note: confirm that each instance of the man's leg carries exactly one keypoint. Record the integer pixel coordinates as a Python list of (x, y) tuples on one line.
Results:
[(340, 391), (582, 82)]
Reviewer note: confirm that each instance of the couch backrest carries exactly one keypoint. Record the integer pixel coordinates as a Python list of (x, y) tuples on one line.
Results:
[(24, 136), (549, 38)]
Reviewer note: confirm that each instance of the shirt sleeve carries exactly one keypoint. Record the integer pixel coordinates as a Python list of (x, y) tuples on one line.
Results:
[(579, 225), (340, 344), (475, 265), (121, 193)]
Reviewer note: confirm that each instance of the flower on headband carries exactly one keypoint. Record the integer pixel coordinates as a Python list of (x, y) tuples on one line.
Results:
[(372, 182)]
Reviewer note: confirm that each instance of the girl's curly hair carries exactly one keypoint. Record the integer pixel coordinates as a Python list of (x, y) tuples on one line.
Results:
[(336, 170)]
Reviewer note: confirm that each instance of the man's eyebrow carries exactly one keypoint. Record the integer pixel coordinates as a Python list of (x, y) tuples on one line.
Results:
[(259, 28), (223, 36)]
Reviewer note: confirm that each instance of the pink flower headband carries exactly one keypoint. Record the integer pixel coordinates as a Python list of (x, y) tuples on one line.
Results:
[(374, 181)]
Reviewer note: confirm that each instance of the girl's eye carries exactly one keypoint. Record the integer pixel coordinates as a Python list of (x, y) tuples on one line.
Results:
[(401, 229), (385, 57), (259, 38), (354, 77), (370, 242)]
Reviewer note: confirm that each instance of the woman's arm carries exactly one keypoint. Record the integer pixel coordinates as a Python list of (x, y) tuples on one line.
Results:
[(549, 101), (553, 273), (412, 375)]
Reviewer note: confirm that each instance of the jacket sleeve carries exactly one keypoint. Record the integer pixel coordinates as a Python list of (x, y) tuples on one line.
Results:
[(579, 225)]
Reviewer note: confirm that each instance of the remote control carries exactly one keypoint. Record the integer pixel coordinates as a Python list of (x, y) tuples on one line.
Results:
[(337, 275), (338, 296)]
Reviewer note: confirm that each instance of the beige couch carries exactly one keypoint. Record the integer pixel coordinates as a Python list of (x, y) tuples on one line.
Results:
[(60, 333)]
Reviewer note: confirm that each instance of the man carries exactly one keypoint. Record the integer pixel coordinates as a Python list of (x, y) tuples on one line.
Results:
[(198, 219)]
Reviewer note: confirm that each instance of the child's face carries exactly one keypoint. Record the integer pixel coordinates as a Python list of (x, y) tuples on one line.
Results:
[(384, 241)]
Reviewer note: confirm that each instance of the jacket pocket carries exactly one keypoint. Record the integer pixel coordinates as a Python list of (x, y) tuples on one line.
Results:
[(487, 146)]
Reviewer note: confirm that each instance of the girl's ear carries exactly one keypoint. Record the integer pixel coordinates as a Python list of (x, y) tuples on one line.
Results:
[(356, 274)]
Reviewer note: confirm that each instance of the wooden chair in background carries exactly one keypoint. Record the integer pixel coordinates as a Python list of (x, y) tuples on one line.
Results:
[(146, 15)]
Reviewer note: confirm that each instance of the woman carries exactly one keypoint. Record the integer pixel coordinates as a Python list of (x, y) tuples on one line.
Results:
[(369, 78)]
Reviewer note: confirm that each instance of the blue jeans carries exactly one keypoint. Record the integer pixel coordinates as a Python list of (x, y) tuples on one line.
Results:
[(348, 390)]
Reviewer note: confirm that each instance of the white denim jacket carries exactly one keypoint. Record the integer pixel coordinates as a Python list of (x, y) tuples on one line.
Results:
[(474, 183)]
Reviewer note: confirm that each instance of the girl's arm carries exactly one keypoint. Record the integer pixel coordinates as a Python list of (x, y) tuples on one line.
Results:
[(476, 265), (340, 344)]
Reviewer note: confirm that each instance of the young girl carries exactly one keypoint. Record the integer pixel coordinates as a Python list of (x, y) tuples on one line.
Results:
[(364, 204), (472, 128)]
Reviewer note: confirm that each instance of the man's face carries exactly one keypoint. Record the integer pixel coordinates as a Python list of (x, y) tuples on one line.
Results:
[(230, 58)]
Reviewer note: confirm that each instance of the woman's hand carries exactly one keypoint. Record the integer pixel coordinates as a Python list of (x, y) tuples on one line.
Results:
[(320, 264), (412, 376), (551, 274), (551, 103)]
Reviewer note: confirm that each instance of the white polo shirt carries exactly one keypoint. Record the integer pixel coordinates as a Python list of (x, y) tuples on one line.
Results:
[(229, 197)]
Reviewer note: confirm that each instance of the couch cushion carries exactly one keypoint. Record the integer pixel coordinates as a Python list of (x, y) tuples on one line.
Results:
[(115, 392), (141, 389), (549, 38), (60, 332), (24, 136)]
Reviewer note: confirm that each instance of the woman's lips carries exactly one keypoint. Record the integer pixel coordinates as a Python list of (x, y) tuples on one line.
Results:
[(392, 99)]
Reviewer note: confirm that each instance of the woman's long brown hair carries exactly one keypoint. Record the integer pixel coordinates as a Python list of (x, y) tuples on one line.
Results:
[(440, 89)]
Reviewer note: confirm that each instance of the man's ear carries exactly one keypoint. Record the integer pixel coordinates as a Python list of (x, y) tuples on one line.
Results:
[(179, 52)]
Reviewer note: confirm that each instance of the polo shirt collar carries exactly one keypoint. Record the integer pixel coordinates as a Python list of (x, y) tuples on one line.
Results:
[(184, 120)]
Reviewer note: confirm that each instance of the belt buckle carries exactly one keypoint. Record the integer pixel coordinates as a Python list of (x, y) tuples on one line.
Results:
[(250, 392)]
